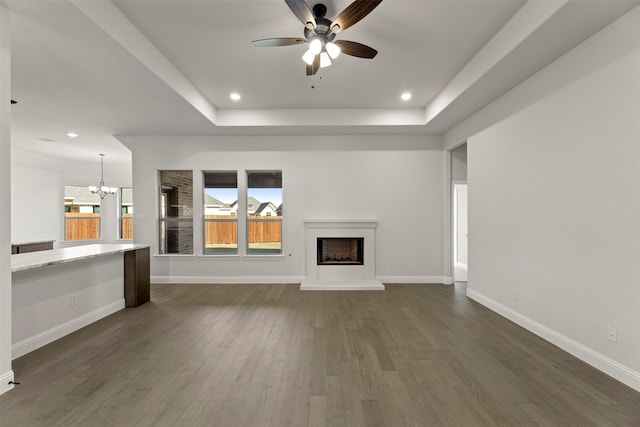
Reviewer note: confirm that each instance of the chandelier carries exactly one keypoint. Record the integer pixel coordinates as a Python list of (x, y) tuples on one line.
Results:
[(102, 189)]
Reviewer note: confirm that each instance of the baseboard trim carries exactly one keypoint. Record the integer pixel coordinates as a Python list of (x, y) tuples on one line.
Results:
[(225, 280), (5, 379), (415, 279), (599, 361), (43, 338), (274, 280)]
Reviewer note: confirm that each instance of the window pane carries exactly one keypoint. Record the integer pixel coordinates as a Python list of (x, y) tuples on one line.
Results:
[(220, 213), (265, 237), (126, 213), (81, 213), (264, 212), (176, 212), (176, 237), (177, 194)]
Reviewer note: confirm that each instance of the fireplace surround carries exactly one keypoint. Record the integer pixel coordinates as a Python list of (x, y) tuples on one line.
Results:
[(340, 255)]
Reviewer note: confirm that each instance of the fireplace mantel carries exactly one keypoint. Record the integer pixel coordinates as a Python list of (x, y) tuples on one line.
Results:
[(340, 277), (339, 224)]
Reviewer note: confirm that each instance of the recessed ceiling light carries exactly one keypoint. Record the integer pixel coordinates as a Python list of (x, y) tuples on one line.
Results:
[(235, 96), (406, 96), (72, 135)]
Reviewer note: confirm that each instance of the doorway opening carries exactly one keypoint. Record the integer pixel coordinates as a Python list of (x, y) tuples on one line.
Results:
[(460, 231)]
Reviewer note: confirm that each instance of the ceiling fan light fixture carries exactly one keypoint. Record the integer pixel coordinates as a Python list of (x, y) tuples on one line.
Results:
[(333, 50), (316, 46), (325, 60), (308, 57)]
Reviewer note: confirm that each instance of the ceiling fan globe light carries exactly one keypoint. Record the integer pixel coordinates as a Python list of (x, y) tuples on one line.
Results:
[(333, 50), (308, 57), (316, 46)]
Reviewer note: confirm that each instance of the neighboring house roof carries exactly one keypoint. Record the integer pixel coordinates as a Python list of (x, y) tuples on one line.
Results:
[(80, 195), (264, 206), (279, 208), (212, 201), (251, 201)]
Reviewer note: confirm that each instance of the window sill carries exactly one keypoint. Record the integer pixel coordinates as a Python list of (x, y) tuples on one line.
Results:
[(219, 257)]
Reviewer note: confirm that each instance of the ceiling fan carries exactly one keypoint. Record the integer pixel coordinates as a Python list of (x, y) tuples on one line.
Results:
[(320, 33)]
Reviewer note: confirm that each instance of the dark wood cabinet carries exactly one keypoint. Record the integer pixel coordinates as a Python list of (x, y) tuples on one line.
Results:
[(22, 248), (137, 277)]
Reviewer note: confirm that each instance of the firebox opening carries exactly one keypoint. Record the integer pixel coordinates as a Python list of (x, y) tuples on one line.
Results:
[(340, 250)]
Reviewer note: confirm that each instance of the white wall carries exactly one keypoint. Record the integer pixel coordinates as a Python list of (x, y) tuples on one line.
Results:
[(6, 374), (37, 196), (336, 177), (459, 163), (37, 200), (554, 202)]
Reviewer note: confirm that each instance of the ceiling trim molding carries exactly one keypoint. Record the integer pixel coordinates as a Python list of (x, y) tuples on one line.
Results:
[(322, 117), (113, 22), (532, 16)]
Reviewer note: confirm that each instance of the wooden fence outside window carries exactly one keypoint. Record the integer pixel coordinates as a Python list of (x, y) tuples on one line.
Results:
[(260, 229), (86, 226), (81, 226)]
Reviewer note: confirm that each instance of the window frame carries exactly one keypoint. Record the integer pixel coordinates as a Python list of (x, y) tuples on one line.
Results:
[(120, 213), (165, 221), (87, 216), (249, 219), (233, 217)]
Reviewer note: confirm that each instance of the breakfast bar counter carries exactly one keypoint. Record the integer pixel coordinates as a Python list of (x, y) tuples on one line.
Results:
[(55, 292), (31, 260)]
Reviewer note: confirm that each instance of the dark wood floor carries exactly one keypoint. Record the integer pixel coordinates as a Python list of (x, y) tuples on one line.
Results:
[(270, 355)]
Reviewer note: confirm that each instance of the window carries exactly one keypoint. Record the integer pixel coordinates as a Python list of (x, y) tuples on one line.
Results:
[(264, 212), (126, 213), (220, 217), (81, 213), (176, 212)]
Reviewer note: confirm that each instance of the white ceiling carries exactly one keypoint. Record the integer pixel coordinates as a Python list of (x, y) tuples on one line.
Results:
[(167, 67)]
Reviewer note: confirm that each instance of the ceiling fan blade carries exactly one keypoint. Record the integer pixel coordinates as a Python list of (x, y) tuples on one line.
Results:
[(356, 49), (302, 12), (282, 41), (352, 14), (313, 68)]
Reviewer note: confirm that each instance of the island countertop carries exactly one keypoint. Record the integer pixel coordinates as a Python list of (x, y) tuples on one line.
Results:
[(33, 260)]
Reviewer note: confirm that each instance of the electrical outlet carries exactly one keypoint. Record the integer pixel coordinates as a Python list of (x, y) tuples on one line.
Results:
[(515, 294), (612, 334), (73, 300)]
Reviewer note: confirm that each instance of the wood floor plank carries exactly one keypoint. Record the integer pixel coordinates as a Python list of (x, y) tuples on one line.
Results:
[(270, 355)]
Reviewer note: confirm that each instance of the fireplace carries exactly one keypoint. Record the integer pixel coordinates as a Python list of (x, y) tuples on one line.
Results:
[(340, 251), (340, 255)]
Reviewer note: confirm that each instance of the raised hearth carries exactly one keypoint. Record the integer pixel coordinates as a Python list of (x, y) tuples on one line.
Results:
[(340, 255)]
